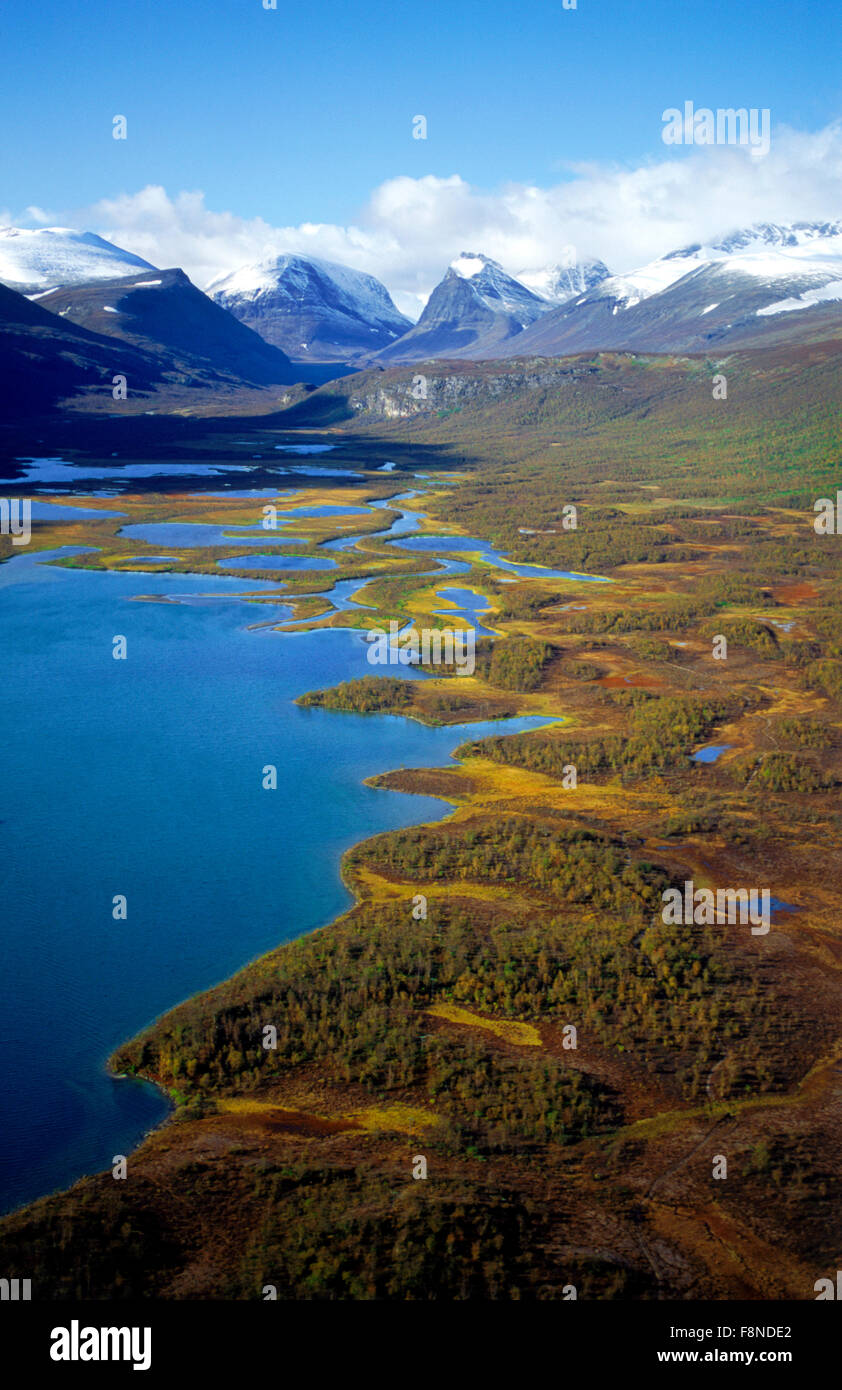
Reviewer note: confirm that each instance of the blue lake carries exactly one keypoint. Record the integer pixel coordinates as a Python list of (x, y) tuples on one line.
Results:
[(711, 753), (276, 562), (332, 509), (232, 492), (340, 596), (143, 777), (39, 472), (55, 470), (404, 523), (468, 605), (317, 472), (305, 448), (203, 533), (58, 511)]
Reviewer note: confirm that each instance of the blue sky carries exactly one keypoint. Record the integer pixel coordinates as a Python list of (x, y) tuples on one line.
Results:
[(254, 131), (296, 114)]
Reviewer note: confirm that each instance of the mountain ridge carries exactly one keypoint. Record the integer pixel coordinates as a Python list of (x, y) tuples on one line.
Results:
[(700, 297), (166, 314), (34, 260), (312, 308), (765, 284)]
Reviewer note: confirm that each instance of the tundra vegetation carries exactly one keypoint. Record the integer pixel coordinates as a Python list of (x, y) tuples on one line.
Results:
[(578, 1151)]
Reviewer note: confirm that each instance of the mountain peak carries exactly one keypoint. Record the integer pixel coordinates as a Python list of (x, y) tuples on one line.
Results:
[(472, 310), (494, 287), (312, 308), (799, 239), (563, 281), (777, 234), (41, 258), (469, 264)]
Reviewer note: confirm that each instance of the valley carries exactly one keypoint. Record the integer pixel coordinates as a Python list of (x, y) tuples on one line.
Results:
[(433, 1014)]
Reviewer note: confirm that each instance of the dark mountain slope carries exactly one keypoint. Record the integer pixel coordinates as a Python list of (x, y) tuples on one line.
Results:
[(45, 359), (163, 312)]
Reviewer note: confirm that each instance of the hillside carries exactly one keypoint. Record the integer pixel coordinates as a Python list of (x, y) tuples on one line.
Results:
[(44, 359), (165, 314)]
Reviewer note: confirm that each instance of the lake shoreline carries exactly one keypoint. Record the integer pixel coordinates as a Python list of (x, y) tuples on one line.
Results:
[(198, 578)]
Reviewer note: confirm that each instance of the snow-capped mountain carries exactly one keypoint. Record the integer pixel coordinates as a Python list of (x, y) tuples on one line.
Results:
[(315, 310), (474, 309), (736, 291), (766, 251), (795, 239), (559, 283), (50, 257), (497, 289), (765, 284)]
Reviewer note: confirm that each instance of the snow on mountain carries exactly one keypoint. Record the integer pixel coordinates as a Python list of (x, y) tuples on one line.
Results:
[(53, 257), (757, 279), (292, 275), (475, 308), (766, 251), (498, 290), (559, 283), (797, 238), (741, 290), (312, 307), (823, 295)]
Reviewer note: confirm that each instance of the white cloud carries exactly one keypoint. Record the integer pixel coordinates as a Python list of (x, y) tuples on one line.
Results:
[(39, 216), (411, 228)]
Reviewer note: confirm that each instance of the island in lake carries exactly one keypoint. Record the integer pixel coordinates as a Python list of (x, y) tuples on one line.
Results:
[(409, 1021)]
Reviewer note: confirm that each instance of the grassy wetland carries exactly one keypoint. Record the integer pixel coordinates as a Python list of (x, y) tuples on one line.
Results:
[(504, 1000)]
